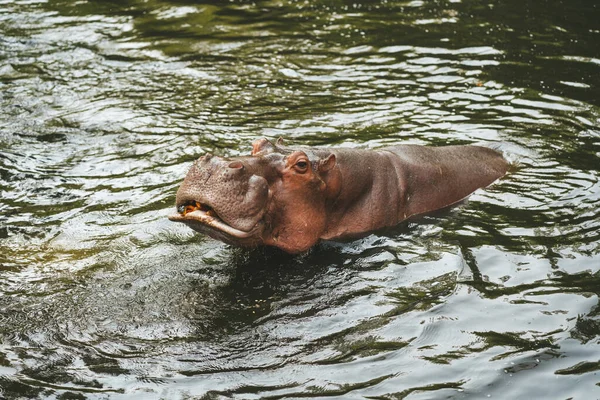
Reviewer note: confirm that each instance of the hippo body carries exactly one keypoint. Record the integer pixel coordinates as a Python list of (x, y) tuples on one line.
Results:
[(292, 197)]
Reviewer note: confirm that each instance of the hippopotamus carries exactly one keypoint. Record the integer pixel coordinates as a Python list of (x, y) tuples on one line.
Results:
[(291, 197)]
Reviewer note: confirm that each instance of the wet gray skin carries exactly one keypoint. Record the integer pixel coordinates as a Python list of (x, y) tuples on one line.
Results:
[(233, 196)]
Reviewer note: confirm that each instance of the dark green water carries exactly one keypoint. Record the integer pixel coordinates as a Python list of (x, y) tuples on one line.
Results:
[(105, 104)]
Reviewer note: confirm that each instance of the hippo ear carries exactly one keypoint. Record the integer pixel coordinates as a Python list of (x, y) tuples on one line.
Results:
[(262, 145), (279, 141), (327, 164)]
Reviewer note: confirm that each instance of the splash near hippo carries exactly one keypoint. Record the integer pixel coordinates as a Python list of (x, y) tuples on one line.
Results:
[(292, 197)]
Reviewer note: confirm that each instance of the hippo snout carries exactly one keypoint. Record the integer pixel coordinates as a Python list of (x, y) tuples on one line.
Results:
[(225, 189)]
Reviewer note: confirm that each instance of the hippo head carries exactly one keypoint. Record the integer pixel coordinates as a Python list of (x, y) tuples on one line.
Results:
[(277, 196)]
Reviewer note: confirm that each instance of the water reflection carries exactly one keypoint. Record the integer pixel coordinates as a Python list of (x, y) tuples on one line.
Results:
[(105, 106)]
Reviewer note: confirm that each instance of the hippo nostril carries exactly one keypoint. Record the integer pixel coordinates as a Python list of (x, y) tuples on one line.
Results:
[(204, 159), (236, 165)]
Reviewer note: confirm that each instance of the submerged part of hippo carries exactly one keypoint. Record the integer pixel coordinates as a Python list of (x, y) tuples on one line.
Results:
[(291, 197)]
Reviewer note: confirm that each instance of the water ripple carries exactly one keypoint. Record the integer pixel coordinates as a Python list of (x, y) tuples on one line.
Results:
[(105, 106)]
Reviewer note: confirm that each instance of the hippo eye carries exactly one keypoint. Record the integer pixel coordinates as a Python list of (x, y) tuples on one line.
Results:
[(301, 166)]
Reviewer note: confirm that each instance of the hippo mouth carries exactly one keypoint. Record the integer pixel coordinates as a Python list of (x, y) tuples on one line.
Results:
[(192, 212)]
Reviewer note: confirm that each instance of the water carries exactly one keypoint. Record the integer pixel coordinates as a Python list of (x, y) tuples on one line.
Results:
[(106, 104)]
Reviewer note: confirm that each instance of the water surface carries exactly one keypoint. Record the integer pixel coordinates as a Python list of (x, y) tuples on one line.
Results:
[(106, 104)]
